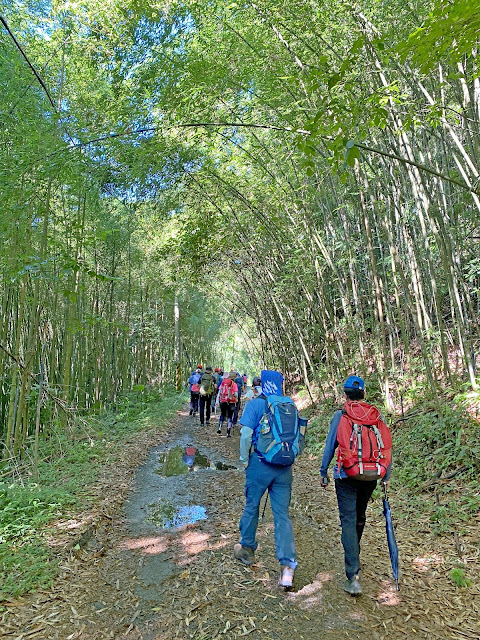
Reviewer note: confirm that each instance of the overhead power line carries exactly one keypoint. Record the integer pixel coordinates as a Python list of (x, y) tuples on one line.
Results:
[(34, 71)]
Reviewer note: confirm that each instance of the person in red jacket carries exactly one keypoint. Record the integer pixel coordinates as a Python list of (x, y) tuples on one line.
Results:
[(228, 398), (363, 444)]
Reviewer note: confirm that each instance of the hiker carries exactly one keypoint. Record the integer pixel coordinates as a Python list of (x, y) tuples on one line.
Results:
[(269, 468), (207, 391), (363, 443), (239, 383), (194, 382), (227, 397), (221, 377), (255, 390), (218, 381)]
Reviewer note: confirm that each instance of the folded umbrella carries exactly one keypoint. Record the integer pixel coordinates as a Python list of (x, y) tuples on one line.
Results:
[(392, 543)]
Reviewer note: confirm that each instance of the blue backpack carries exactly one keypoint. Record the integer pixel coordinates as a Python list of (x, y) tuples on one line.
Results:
[(239, 383), (279, 439)]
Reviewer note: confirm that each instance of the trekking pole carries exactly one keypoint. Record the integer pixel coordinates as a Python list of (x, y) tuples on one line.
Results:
[(264, 507)]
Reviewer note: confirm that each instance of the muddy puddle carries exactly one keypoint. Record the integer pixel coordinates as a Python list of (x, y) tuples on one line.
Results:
[(169, 497), (168, 487), (178, 460)]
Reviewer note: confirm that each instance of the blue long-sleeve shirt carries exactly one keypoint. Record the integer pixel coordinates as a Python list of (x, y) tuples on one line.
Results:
[(331, 444)]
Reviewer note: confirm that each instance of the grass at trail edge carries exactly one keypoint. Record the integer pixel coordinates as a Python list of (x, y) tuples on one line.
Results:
[(72, 459)]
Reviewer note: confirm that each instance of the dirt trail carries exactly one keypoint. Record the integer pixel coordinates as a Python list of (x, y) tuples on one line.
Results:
[(128, 579)]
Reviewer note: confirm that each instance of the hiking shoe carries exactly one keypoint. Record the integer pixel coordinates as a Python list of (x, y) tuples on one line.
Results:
[(207, 423), (353, 586), (191, 411), (219, 431), (286, 578), (244, 554), (201, 424)]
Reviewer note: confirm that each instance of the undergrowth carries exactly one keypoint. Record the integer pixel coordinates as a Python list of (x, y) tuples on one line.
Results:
[(70, 463)]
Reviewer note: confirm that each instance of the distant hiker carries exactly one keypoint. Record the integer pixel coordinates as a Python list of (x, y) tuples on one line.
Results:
[(194, 382), (364, 455), (270, 441), (239, 383), (245, 380), (207, 391), (221, 377), (228, 397), (255, 390), (218, 381)]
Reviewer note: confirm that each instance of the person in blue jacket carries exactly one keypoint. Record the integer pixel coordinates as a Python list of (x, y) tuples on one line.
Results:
[(352, 495), (194, 382), (260, 477)]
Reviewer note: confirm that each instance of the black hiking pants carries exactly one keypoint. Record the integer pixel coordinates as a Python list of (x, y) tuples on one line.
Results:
[(352, 498), (227, 409), (194, 401), (205, 401), (236, 411)]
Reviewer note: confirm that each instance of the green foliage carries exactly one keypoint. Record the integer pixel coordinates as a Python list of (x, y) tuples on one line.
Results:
[(26, 567), (458, 577), (318, 426), (448, 34), (436, 442)]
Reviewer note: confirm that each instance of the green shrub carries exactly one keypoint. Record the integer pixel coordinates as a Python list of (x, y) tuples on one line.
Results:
[(457, 576)]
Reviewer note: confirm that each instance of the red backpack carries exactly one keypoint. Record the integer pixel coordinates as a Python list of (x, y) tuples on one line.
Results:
[(228, 391), (364, 442)]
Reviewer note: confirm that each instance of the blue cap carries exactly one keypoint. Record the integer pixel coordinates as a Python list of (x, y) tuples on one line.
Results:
[(272, 382), (354, 382)]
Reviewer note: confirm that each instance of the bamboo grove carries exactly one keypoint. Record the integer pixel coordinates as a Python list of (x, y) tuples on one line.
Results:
[(304, 173)]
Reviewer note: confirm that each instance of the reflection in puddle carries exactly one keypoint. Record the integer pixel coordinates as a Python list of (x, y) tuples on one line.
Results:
[(181, 460), (165, 515)]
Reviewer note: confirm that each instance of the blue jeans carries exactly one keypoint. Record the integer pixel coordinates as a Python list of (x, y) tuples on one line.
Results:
[(260, 477), (352, 498)]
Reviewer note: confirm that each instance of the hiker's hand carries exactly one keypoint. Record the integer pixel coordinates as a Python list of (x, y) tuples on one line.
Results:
[(324, 482), (386, 484)]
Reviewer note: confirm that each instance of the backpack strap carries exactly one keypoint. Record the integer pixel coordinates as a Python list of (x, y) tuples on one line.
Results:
[(358, 431), (379, 436)]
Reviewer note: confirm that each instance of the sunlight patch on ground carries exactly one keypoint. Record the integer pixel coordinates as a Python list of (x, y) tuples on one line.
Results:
[(424, 563), (311, 595), (226, 541), (388, 595), (152, 545), (195, 542), (68, 525)]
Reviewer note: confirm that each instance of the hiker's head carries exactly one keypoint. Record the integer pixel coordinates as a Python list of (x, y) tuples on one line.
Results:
[(272, 383), (217, 370), (198, 370), (232, 375), (208, 369), (354, 388), (257, 381), (199, 366)]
